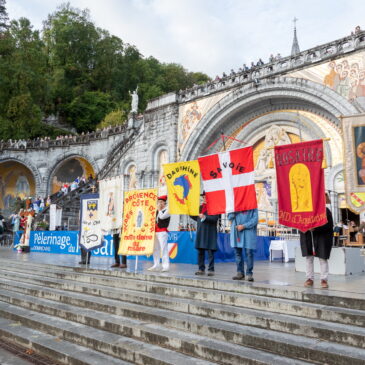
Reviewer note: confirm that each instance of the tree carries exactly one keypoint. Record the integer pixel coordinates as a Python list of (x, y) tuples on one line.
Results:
[(70, 41), (4, 19), (114, 118), (23, 85), (89, 109)]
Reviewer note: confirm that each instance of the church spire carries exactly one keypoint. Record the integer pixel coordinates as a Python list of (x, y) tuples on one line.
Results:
[(295, 47)]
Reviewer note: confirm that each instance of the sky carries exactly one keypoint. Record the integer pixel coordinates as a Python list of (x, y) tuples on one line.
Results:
[(211, 36)]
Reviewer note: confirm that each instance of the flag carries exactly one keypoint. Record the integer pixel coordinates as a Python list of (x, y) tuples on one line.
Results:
[(90, 236), (300, 182), (139, 219), (228, 181), (183, 186), (111, 203), (353, 128)]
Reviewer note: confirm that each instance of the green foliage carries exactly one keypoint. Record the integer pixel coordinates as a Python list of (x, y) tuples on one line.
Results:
[(86, 111), (76, 71), (3, 17), (114, 118)]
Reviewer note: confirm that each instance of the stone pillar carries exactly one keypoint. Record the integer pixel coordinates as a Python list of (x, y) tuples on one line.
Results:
[(334, 206)]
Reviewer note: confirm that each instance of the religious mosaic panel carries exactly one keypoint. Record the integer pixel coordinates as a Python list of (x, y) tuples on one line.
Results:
[(16, 180), (346, 75), (191, 113)]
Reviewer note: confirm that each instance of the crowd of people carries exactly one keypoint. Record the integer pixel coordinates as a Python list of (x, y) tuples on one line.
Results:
[(67, 187), (61, 140)]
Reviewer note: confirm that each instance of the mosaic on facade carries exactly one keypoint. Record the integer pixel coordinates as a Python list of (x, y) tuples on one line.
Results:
[(16, 180), (346, 76)]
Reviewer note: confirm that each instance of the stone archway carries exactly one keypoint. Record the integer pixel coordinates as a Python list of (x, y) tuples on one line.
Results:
[(249, 102), (67, 169)]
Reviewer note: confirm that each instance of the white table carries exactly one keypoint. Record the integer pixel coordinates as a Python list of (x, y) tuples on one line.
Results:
[(287, 247), (343, 261)]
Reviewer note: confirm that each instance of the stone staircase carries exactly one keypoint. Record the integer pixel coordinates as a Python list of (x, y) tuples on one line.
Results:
[(70, 204), (90, 316)]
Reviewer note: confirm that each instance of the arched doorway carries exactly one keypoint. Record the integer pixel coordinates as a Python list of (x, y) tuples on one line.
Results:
[(68, 170), (16, 181)]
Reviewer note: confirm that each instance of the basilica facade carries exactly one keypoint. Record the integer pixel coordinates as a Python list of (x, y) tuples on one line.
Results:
[(297, 98)]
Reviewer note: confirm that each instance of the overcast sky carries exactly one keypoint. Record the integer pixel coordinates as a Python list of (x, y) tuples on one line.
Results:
[(211, 36)]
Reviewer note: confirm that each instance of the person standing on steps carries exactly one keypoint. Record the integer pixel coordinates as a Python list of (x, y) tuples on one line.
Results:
[(206, 238), (161, 236), (116, 241), (85, 257), (243, 236), (318, 242)]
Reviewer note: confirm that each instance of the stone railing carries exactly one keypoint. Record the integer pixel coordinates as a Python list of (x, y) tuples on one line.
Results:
[(79, 139), (123, 145), (283, 65)]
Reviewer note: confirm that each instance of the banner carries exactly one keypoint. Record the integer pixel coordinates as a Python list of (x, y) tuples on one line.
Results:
[(24, 241), (90, 230), (63, 242), (139, 221), (300, 182), (55, 217), (354, 161), (111, 203), (229, 181), (183, 186)]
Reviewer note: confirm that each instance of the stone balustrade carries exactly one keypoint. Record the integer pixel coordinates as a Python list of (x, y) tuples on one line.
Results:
[(281, 66)]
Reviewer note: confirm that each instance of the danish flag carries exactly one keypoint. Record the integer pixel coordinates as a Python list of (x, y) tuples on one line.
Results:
[(229, 181)]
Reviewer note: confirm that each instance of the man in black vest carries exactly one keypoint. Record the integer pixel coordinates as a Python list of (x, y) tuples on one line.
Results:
[(161, 236)]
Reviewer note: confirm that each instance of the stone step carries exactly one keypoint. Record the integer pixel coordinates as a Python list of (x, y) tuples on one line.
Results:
[(293, 307), (138, 352), (53, 347), (287, 344), (348, 335), (326, 298)]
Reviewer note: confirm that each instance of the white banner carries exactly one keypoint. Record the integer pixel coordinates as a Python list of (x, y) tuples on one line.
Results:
[(52, 217), (55, 217), (90, 236), (111, 203)]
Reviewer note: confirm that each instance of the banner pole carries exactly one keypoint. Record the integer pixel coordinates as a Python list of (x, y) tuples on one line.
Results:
[(235, 220), (136, 265)]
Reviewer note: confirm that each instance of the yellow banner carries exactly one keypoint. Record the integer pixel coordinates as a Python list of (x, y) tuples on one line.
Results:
[(139, 217), (183, 186)]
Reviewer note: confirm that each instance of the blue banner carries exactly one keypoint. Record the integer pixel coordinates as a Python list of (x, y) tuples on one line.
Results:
[(181, 246), (63, 242)]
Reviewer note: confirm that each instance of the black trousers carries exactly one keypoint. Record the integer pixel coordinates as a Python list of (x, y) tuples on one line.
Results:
[(85, 256), (201, 259), (116, 240)]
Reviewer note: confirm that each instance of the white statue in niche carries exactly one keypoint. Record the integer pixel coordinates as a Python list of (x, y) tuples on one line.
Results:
[(163, 158), (132, 172)]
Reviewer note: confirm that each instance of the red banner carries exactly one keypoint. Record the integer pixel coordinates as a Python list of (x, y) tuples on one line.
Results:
[(229, 181), (300, 182)]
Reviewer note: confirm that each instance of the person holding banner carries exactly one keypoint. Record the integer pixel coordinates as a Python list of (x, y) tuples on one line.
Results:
[(243, 237), (317, 242), (161, 236), (206, 238)]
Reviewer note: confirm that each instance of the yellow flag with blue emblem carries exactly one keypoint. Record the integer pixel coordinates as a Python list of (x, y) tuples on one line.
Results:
[(183, 187)]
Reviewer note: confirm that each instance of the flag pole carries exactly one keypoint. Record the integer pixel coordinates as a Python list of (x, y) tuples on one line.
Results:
[(235, 221)]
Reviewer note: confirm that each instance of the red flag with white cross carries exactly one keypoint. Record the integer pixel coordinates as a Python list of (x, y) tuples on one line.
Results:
[(229, 181)]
